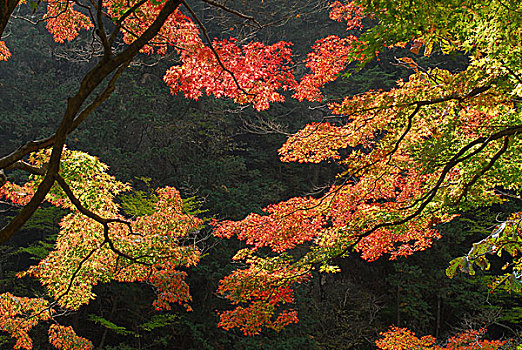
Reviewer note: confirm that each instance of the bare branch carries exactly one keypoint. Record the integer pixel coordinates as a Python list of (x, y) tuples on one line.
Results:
[(21, 165), (109, 89), (100, 31), (33, 146), (232, 11)]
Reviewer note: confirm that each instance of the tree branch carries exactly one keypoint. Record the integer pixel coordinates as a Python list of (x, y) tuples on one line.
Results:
[(21, 165), (107, 49), (29, 147), (6, 10), (405, 132), (209, 42), (478, 175), (33, 146), (103, 221), (109, 89), (124, 16), (75, 273), (456, 159), (232, 11), (90, 82)]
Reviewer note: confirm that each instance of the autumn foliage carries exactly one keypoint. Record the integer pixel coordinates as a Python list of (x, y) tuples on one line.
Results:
[(4, 52), (14, 312), (404, 339), (62, 337), (146, 249), (412, 158)]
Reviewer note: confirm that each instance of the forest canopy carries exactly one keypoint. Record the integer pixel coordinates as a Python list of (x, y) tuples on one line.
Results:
[(438, 143)]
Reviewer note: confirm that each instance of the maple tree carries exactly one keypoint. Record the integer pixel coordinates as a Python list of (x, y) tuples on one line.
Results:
[(412, 157), (96, 244)]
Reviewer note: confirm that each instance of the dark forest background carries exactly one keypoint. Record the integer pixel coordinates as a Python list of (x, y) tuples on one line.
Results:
[(223, 159)]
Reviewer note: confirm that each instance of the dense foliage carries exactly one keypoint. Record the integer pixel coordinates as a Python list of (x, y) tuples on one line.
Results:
[(410, 159)]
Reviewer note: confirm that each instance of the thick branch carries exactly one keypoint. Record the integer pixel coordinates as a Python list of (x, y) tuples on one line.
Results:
[(103, 221), (107, 50), (90, 82), (6, 10), (478, 175), (456, 159), (76, 202), (21, 165), (99, 99), (29, 147), (33, 146)]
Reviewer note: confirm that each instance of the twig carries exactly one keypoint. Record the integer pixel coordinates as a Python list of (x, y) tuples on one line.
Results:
[(232, 11), (209, 42)]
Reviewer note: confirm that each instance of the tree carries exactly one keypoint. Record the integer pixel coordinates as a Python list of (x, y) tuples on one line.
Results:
[(91, 248), (96, 243), (412, 157)]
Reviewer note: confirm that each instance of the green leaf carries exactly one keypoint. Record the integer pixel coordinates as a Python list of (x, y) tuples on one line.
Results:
[(451, 270), (159, 321), (110, 325)]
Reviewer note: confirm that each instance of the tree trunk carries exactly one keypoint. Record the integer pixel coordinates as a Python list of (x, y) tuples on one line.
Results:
[(437, 327), (398, 306), (104, 335)]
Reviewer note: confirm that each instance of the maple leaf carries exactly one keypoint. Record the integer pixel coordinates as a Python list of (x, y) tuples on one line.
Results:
[(147, 249), (404, 339), (4, 52), (62, 337), (436, 144), (252, 73), (413, 156), (63, 21), (14, 312)]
